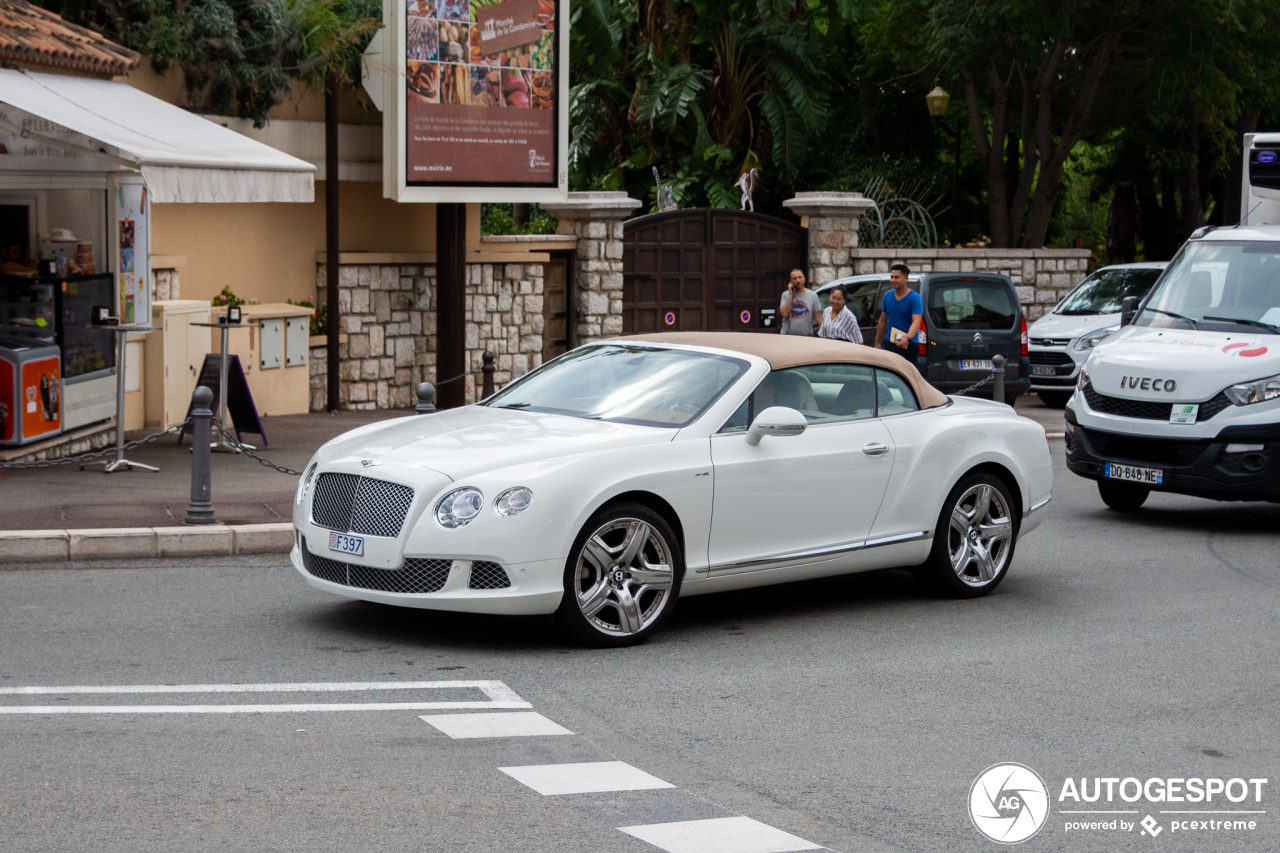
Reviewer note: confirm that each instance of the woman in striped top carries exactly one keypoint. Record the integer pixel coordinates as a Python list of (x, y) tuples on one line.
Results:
[(838, 322)]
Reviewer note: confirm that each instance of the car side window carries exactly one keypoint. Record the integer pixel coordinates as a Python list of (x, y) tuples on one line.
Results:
[(823, 393), (893, 395)]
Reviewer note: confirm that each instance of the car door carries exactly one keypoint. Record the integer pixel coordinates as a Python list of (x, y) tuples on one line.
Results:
[(789, 499)]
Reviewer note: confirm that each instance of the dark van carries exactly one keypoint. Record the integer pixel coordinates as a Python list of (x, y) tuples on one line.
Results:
[(968, 318)]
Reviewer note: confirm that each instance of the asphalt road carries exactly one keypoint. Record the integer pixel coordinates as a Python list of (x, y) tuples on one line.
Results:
[(853, 713)]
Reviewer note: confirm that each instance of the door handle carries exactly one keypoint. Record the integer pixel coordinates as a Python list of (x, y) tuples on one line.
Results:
[(875, 449)]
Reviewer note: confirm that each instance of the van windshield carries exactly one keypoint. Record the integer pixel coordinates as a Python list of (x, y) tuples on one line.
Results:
[(971, 305), (1104, 291), (1219, 285)]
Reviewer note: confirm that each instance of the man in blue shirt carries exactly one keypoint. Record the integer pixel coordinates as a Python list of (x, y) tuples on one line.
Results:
[(900, 315)]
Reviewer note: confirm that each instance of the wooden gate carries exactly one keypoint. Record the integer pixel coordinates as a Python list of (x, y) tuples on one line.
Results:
[(706, 270)]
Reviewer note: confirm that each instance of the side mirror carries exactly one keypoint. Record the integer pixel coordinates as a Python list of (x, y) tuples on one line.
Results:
[(776, 420), (1128, 307)]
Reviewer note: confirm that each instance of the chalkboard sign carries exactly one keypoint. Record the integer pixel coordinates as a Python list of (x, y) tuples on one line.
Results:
[(240, 406)]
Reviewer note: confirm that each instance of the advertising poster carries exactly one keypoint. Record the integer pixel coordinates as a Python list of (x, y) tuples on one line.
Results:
[(133, 256), (42, 397), (480, 98)]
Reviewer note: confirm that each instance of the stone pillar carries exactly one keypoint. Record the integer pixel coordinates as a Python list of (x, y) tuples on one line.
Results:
[(832, 220), (596, 219)]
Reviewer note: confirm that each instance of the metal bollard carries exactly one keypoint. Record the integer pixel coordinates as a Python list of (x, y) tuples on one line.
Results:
[(997, 367), (487, 369), (426, 398), (200, 510)]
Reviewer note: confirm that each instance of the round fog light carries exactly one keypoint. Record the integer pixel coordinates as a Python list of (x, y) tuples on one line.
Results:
[(513, 502), (459, 507)]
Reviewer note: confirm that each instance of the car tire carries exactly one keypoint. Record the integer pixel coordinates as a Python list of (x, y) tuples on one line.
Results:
[(974, 539), (1122, 498), (1054, 399), (618, 592)]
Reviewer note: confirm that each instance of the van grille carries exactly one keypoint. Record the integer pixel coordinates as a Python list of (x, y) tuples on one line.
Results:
[(1049, 358), (350, 503), (1148, 409), (1138, 448), (415, 575)]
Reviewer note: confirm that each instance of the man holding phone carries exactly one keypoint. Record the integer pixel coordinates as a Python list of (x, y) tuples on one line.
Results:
[(799, 307), (900, 314)]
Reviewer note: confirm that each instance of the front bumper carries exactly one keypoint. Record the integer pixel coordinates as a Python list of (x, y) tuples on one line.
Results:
[(1200, 467), (531, 589), (1064, 363)]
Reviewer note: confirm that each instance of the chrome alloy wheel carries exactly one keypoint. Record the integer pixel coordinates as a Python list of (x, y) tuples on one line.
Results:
[(980, 535), (623, 577)]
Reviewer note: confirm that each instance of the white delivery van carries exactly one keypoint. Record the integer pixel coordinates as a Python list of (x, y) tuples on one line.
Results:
[(1185, 397)]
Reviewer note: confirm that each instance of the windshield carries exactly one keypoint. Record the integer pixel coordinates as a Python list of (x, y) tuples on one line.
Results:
[(1218, 286), (1104, 291), (649, 386)]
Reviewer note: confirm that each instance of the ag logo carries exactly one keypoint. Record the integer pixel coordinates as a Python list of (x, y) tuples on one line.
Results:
[(1008, 803), (1245, 349)]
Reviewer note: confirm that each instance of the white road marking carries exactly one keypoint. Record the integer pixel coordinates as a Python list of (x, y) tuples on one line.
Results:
[(593, 777), (499, 696), (505, 724), (719, 835)]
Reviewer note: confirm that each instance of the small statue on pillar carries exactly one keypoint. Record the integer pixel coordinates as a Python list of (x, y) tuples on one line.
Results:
[(666, 198), (747, 183)]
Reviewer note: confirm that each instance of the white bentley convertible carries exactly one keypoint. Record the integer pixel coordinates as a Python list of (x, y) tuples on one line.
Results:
[(626, 473)]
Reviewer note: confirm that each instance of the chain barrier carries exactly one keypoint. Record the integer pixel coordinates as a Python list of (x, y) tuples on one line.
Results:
[(98, 454), (975, 386), (242, 448), (454, 379)]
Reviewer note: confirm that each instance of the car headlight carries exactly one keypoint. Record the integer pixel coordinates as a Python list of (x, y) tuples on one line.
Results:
[(512, 502), (1257, 391), (1092, 339), (459, 507), (304, 483), (1082, 378)]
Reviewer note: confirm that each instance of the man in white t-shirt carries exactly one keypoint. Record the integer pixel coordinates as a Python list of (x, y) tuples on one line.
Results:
[(838, 322), (799, 308)]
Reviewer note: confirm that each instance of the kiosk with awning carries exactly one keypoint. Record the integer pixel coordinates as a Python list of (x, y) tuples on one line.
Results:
[(82, 160)]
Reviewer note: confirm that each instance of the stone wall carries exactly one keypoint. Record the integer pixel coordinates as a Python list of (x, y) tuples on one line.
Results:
[(1042, 276), (388, 315)]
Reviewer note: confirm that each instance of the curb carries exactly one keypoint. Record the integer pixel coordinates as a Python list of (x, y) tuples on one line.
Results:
[(46, 546)]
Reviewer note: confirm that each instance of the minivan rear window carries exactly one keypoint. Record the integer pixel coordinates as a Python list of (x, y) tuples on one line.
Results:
[(971, 305)]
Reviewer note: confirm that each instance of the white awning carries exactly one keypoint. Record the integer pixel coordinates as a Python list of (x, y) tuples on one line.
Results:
[(183, 157)]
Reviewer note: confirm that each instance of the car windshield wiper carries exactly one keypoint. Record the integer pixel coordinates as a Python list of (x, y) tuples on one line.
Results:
[(1173, 314), (1078, 312), (513, 406), (1261, 325)]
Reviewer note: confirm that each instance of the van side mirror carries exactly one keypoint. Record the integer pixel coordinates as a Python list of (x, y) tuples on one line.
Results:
[(1128, 307), (777, 421)]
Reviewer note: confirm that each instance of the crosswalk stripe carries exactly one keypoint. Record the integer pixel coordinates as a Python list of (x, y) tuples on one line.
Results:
[(589, 778)]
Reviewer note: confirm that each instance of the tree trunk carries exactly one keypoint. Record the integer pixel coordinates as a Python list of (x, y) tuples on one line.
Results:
[(992, 152)]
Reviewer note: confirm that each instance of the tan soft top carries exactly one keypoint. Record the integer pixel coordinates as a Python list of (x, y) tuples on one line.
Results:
[(783, 351)]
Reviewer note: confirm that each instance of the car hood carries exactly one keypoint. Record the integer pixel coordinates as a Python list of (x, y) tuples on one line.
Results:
[(1063, 326), (465, 441), (1200, 363)]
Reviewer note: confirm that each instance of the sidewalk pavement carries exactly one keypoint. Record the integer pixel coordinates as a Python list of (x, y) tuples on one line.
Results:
[(61, 512), (244, 492)]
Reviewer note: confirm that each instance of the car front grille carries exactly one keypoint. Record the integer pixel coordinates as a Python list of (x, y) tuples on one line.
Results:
[(350, 503), (415, 575), (488, 575), (1137, 448), (1148, 409), (1055, 358)]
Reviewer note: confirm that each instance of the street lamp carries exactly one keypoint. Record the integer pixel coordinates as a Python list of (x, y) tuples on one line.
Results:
[(937, 101)]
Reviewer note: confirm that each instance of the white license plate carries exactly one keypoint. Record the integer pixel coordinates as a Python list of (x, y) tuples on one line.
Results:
[(1043, 370), (975, 364), (1132, 474), (346, 544)]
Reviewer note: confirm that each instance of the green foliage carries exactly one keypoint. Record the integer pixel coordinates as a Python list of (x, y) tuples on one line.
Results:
[(319, 322), (238, 57), (497, 219)]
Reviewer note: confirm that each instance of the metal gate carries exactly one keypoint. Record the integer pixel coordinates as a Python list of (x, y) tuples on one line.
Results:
[(706, 270)]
